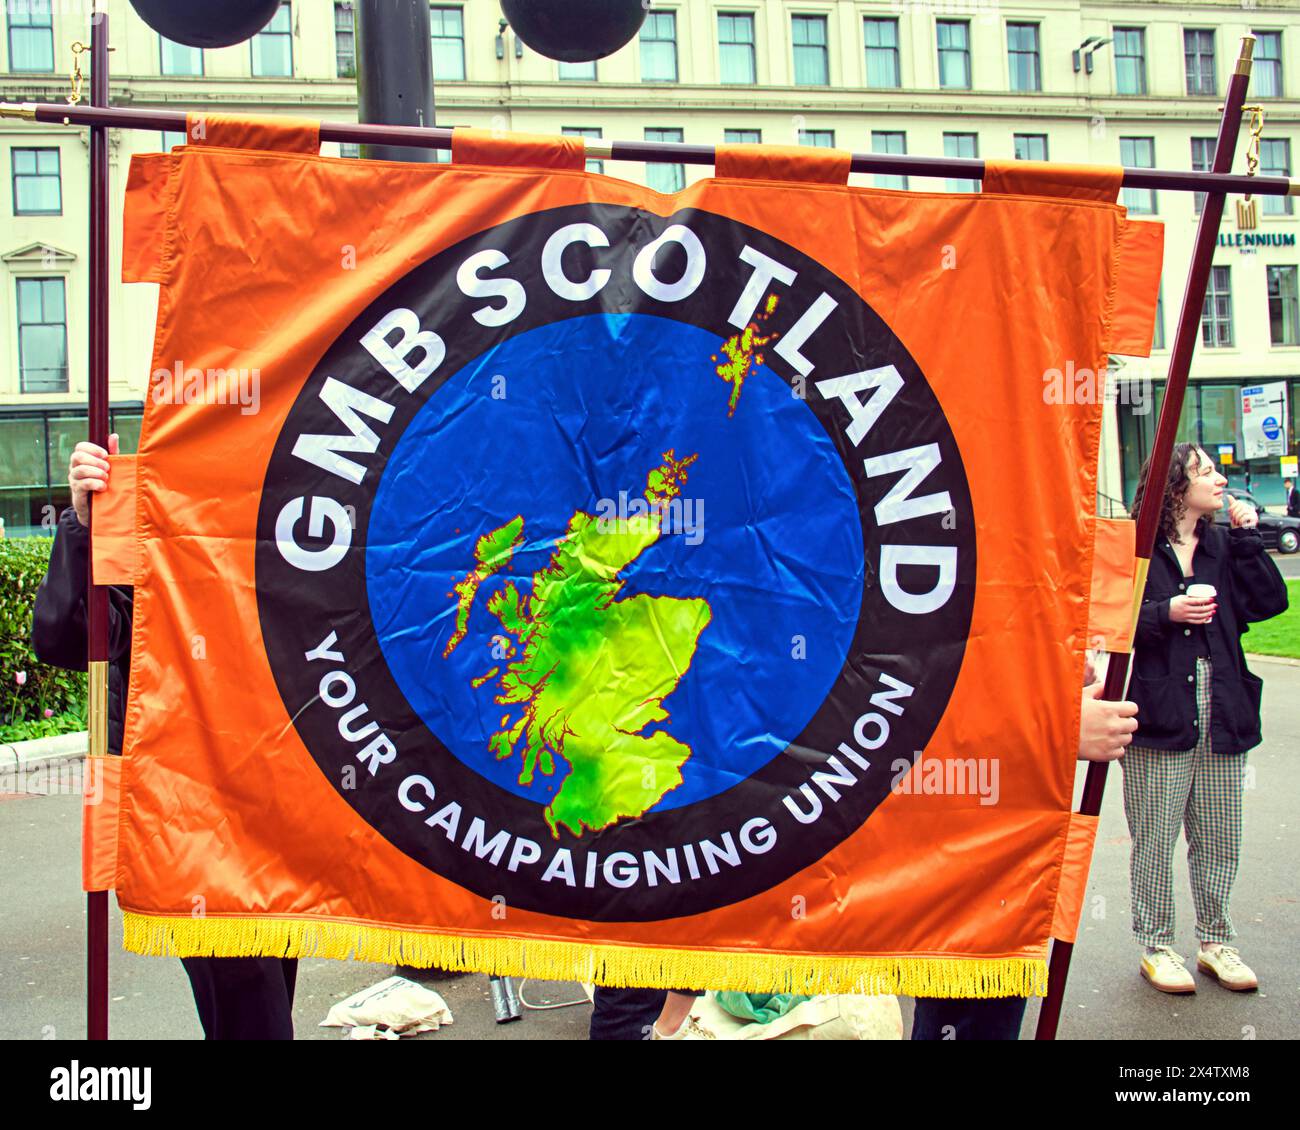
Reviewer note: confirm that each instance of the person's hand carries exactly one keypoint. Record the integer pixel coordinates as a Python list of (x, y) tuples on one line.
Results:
[(1192, 609), (1241, 515), (1105, 728), (87, 472)]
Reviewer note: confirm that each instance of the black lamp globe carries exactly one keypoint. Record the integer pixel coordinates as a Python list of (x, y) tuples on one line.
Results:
[(575, 31), (206, 23)]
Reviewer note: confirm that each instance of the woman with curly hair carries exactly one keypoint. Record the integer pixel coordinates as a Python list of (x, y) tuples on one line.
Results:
[(1198, 714)]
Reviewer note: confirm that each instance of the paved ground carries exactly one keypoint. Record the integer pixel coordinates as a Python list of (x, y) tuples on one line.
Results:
[(42, 933), (1288, 564)]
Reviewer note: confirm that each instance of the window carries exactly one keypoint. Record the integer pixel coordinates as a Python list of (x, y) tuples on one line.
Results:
[(1266, 73), (659, 176), (1030, 146), (578, 72), (345, 41), (173, 137), (889, 141), (177, 59), (593, 166), (881, 37), (1022, 57), (1158, 330), (42, 336), (742, 136), (447, 29), (31, 36), (1275, 161), (1283, 306), (1202, 162), (37, 190), (1138, 153), (1216, 314), (272, 47), (659, 47), (350, 149), (1198, 52), (812, 64), (961, 145), (736, 62), (954, 54), (1130, 60), (818, 138)]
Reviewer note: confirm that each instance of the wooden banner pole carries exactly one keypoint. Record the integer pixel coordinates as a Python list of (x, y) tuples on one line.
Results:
[(97, 595), (1148, 518)]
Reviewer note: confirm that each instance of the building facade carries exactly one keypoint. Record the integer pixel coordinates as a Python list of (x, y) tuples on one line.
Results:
[(1135, 83)]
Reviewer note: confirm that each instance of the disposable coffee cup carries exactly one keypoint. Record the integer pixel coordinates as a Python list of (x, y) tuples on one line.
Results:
[(1201, 592)]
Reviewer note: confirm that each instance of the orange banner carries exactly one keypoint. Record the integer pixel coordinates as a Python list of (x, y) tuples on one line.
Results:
[(539, 574)]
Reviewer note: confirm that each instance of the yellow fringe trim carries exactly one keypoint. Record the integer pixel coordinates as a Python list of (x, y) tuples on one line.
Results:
[(550, 959)]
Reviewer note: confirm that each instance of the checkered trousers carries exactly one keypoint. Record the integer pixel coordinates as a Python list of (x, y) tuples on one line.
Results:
[(1200, 792)]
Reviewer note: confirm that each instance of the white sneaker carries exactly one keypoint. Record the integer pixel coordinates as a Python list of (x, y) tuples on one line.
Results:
[(1166, 971), (1224, 964), (691, 1029)]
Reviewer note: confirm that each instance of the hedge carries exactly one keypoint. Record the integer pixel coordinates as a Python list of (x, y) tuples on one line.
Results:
[(28, 688)]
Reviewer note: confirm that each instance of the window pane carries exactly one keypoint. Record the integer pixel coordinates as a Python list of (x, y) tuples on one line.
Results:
[(889, 141), (954, 54), (29, 301), (272, 47), (961, 145), (446, 26), (1030, 146), (736, 48), (1022, 49), (1216, 314), (1283, 306), (345, 46), (819, 138), (1266, 73), (31, 35), (42, 336), (1198, 54), (659, 47), (1130, 60), (1138, 153), (1275, 161), (578, 72), (177, 59), (37, 190), (811, 60), (1202, 160), (742, 136), (881, 38), (663, 177)]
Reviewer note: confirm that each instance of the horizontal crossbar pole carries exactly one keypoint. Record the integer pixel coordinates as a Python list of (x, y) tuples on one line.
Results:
[(668, 152)]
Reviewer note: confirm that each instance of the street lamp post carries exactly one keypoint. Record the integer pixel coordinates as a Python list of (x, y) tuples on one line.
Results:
[(394, 72)]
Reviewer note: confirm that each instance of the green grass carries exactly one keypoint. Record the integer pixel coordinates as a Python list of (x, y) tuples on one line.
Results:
[(1280, 635)]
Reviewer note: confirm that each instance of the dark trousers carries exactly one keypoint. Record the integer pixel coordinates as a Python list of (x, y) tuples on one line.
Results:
[(996, 1018), (244, 998), (628, 1014)]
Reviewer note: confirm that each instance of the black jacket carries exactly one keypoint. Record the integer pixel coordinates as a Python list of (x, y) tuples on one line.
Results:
[(1293, 503), (1248, 588), (59, 619)]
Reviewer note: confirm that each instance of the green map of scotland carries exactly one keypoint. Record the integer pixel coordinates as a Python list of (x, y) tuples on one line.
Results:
[(590, 670)]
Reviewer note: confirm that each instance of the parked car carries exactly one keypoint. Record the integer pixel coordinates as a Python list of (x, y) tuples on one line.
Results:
[(1278, 531)]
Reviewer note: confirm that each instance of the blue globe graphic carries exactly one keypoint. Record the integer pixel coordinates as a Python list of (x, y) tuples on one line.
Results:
[(561, 417)]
